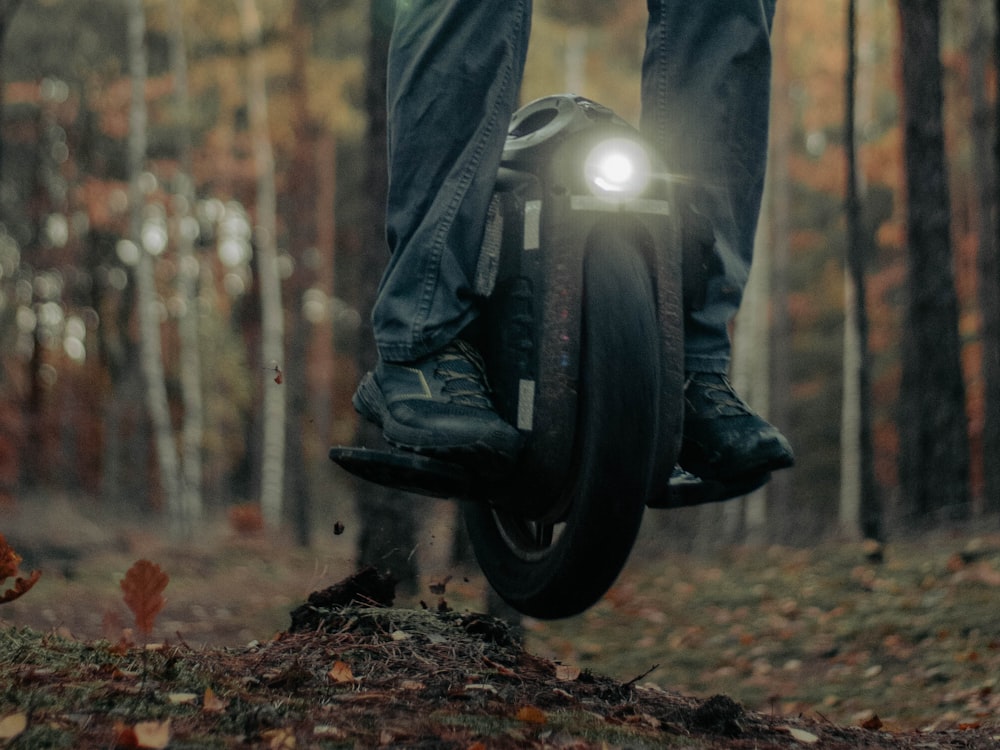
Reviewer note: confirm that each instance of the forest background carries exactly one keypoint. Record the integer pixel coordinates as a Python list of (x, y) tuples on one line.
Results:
[(190, 225)]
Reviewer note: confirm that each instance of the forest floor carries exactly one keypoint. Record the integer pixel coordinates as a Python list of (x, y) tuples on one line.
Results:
[(749, 648)]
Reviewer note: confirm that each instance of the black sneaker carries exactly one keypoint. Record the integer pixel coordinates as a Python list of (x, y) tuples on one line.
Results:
[(439, 405), (724, 439)]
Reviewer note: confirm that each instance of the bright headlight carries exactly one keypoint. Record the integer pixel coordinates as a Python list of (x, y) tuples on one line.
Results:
[(617, 168)]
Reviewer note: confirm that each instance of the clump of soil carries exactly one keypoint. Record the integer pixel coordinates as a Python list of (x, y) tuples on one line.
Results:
[(350, 674)]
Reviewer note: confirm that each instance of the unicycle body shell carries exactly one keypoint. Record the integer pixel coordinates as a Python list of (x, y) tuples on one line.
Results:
[(580, 295)]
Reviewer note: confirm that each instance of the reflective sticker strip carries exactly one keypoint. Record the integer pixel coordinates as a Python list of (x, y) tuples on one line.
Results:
[(526, 405), (489, 251), (634, 206), (532, 225)]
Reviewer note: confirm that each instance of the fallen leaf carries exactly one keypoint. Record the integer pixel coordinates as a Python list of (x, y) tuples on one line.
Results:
[(10, 563), (154, 735), (212, 703), (278, 739), (180, 699), (143, 585), (567, 673), (807, 738), (12, 725), (340, 672), (21, 587), (125, 736), (873, 724), (531, 715)]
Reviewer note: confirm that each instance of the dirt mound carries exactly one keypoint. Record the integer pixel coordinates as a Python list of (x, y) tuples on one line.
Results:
[(367, 675)]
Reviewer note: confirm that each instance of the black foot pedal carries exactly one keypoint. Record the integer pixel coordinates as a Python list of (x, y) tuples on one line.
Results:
[(409, 472)]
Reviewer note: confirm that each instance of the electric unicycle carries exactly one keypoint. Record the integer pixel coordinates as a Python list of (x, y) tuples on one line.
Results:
[(580, 329)]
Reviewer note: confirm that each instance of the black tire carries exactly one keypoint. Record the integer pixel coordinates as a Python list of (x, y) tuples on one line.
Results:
[(552, 571)]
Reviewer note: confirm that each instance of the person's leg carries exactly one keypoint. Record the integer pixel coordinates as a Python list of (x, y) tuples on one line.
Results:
[(454, 72), (455, 69), (706, 98)]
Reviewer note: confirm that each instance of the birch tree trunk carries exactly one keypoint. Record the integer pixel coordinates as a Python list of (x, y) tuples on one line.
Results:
[(272, 322), (151, 352), (860, 510), (187, 287)]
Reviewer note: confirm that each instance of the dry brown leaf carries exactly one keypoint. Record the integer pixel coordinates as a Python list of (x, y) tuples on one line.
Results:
[(12, 725), (212, 703), (154, 735), (143, 586), (873, 723), (10, 563), (279, 739), (21, 587), (125, 736), (340, 672), (531, 715)]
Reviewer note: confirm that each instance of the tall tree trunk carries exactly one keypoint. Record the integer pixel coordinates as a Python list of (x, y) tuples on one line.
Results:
[(151, 352), (751, 371), (934, 456), (7, 10), (860, 510), (986, 170), (388, 517), (272, 345), (301, 242), (187, 287), (783, 507)]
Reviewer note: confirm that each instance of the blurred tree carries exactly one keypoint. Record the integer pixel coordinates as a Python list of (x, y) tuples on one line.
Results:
[(388, 517), (860, 510), (300, 211), (934, 451), (583, 12), (272, 314), (148, 238), (7, 10), (185, 232), (783, 504), (986, 167), (993, 401)]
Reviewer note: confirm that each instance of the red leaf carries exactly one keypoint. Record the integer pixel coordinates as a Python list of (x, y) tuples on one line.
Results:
[(9, 566), (21, 587), (143, 585), (9, 560)]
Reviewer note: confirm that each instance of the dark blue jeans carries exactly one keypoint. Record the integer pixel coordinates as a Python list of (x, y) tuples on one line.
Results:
[(455, 69)]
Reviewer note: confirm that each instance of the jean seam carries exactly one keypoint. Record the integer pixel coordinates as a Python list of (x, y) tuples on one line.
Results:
[(465, 179)]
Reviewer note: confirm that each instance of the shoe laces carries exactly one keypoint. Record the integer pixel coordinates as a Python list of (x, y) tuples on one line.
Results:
[(463, 371), (716, 389)]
